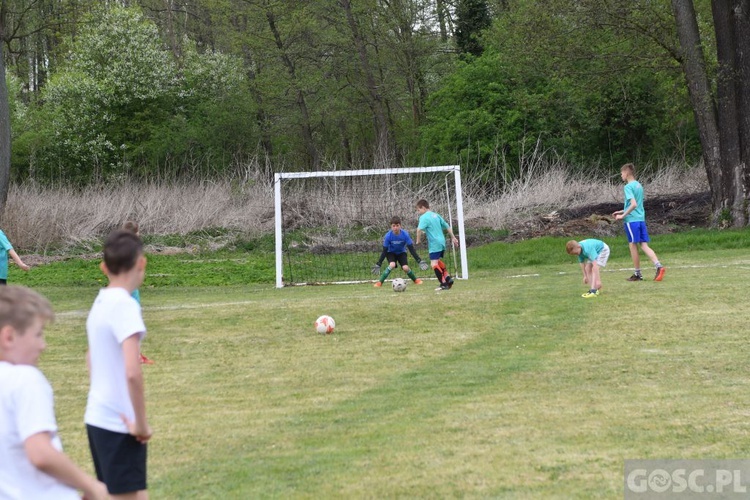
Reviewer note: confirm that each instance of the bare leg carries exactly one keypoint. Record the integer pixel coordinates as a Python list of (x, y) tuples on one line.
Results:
[(635, 255), (595, 280), (649, 253)]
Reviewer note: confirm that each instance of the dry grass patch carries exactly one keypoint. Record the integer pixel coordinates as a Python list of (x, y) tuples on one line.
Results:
[(40, 218)]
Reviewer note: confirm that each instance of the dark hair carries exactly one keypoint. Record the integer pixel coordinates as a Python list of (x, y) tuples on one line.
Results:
[(121, 251), (423, 204), (131, 226), (395, 220)]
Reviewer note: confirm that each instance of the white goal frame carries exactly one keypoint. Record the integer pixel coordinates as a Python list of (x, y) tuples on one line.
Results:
[(456, 169)]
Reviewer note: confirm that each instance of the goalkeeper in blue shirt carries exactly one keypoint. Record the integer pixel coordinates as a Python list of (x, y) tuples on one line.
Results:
[(395, 244)]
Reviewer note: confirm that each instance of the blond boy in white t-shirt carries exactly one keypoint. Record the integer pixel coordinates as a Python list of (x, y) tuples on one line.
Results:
[(32, 464)]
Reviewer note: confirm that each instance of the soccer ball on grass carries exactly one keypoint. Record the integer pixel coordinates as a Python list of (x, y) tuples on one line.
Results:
[(325, 324), (399, 285)]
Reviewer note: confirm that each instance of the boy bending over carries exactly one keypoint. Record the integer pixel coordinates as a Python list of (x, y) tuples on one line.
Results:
[(592, 254)]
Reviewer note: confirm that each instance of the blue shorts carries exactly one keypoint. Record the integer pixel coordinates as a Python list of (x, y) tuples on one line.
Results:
[(119, 460), (636, 232), (437, 255)]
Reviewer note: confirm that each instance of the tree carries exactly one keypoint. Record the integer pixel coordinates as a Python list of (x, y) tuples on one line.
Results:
[(4, 117), (384, 142), (472, 18), (11, 18), (723, 117)]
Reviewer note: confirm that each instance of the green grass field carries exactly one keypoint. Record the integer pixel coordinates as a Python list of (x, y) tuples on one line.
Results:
[(509, 385)]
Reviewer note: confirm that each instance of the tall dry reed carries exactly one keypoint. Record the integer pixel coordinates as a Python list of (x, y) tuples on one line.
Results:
[(39, 218)]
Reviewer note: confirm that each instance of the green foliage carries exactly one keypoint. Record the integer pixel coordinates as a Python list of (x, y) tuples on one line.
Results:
[(556, 79), (145, 92), (472, 18), (122, 106), (490, 109)]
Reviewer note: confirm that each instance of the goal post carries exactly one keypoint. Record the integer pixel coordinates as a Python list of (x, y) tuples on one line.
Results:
[(329, 225)]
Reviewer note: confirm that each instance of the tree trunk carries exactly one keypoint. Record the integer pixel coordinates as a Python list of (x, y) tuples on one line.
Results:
[(699, 90), (742, 35), (4, 118), (728, 91), (442, 21)]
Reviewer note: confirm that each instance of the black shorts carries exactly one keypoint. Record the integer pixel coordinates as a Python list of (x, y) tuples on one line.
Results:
[(3, 282), (400, 258), (119, 460)]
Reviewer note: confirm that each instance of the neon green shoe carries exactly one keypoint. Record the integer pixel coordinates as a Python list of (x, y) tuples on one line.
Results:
[(589, 295)]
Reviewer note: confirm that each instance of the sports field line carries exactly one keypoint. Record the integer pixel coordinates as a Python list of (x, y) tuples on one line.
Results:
[(83, 313), (80, 313), (740, 265)]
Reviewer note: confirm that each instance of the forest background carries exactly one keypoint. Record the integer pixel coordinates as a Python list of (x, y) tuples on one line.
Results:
[(164, 91)]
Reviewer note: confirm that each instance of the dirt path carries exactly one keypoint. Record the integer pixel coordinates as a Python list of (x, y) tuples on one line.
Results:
[(664, 215)]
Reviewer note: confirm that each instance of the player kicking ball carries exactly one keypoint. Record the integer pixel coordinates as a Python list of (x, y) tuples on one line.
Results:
[(592, 254), (433, 227)]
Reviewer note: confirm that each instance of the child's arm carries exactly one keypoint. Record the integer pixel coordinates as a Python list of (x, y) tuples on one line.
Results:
[(585, 274), (57, 464), (134, 374), (621, 214), (17, 260), (453, 236), (419, 236), (376, 267), (414, 253)]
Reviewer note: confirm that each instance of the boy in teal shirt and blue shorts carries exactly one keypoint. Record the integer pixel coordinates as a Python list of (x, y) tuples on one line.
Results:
[(434, 227), (633, 216), (592, 254)]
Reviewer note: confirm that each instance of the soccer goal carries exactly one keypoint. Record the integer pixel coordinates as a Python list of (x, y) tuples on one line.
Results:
[(330, 225)]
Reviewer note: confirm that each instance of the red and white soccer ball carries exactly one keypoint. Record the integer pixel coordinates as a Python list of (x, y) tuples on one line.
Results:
[(325, 324)]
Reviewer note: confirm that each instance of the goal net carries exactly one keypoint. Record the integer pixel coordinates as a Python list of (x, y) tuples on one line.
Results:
[(330, 225)]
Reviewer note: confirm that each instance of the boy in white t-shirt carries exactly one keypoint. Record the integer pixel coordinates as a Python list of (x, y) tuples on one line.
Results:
[(32, 464), (116, 410)]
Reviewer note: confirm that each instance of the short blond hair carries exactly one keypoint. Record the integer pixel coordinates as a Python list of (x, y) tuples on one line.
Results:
[(628, 167), (20, 306), (571, 245)]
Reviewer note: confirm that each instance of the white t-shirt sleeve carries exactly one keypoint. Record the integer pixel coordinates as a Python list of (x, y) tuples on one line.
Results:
[(127, 321)]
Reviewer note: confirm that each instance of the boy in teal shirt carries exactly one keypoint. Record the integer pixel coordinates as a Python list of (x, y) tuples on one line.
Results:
[(592, 254), (433, 226), (6, 250), (633, 216)]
